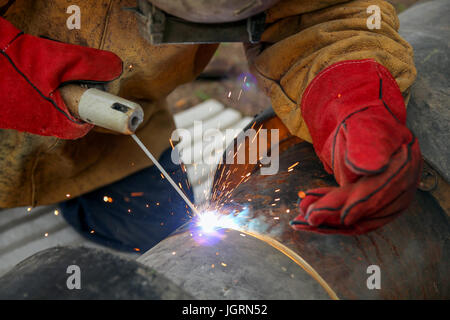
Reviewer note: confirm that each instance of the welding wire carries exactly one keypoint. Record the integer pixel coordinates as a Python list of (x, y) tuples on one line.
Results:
[(181, 193)]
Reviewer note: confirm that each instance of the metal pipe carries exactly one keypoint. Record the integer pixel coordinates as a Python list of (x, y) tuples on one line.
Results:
[(261, 257)]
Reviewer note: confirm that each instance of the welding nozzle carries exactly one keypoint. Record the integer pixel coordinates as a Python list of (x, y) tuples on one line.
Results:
[(103, 109)]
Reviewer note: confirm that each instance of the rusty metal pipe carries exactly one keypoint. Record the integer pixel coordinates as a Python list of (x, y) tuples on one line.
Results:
[(262, 257)]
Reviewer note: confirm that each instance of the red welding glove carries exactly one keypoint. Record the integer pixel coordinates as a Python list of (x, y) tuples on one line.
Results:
[(33, 68), (356, 115)]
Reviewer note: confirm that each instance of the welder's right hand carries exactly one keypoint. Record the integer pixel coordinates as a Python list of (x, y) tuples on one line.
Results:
[(32, 69)]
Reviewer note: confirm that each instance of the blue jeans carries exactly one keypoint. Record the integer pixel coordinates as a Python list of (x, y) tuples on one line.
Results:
[(144, 209)]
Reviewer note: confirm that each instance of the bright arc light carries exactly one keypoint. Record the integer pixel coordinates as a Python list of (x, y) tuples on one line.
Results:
[(210, 221)]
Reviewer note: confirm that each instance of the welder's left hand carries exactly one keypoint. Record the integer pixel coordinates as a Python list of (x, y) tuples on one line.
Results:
[(356, 115)]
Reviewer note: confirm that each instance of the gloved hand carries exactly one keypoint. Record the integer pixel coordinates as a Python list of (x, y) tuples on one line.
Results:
[(356, 115), (31, 71)]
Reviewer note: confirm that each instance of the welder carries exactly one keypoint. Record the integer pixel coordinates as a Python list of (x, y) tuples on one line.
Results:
[(332, 80)]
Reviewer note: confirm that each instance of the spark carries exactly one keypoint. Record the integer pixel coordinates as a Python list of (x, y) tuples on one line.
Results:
[(29, 209), (223, 264), (137, 194), (180, 103), (56, 212), (294, 165), (257, 133), (301, 194), (46, 234)]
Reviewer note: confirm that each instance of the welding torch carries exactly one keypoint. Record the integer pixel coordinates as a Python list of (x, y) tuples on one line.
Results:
[(111, 112)]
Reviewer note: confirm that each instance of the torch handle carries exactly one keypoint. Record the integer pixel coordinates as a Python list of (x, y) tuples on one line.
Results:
[(103, 109)]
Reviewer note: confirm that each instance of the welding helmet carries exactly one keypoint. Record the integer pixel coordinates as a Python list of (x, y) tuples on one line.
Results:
[(202, 21)]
